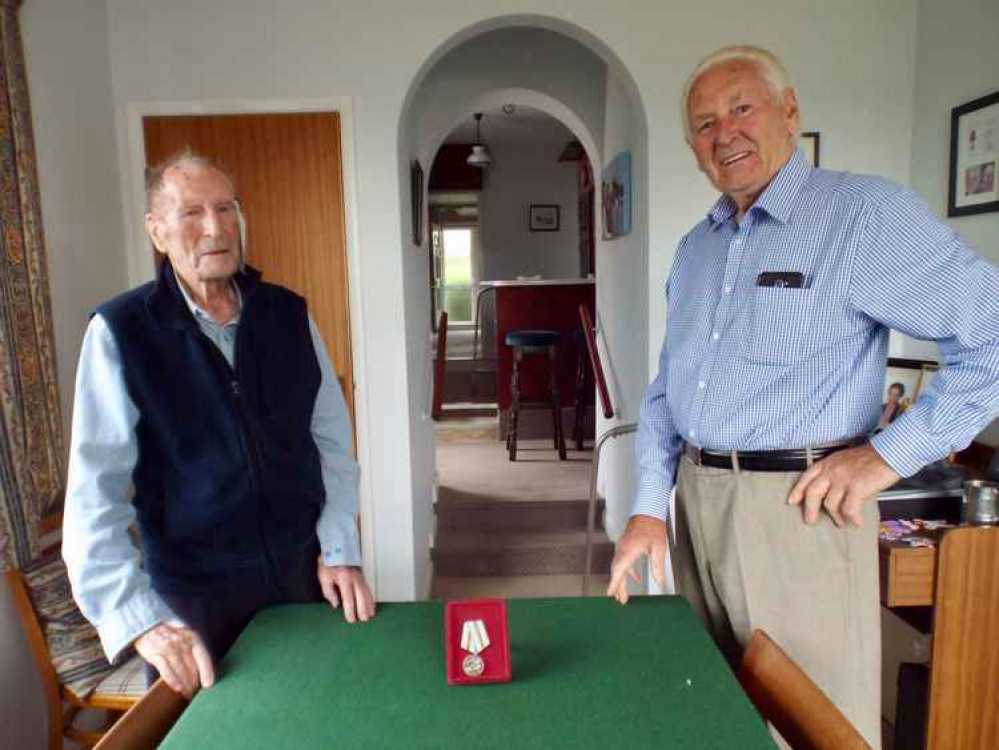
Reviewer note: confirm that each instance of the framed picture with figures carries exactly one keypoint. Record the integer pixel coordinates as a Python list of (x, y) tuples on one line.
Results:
[(974, 156)]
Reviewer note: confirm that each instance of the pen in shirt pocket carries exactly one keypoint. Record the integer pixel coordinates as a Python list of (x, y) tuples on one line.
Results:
[(784, 280)]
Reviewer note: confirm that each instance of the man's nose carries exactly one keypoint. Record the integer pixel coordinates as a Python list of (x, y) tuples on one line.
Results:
[(211, 225), (727, 129)]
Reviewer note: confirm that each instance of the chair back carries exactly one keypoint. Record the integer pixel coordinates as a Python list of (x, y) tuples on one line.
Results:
[(145, 724), (964, 657), (791, 702), (39, 654)]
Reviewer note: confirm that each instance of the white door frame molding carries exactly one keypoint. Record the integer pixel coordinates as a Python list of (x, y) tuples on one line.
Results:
[(139, 259)]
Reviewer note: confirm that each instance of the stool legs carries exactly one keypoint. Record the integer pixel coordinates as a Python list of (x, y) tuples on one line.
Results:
[(511, 434), (559, 437), (516, 403)]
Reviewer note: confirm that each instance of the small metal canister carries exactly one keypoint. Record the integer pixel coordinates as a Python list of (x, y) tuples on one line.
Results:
[(981, 503)]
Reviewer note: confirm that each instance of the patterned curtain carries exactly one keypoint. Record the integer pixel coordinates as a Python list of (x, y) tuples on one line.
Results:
[(31, 442)]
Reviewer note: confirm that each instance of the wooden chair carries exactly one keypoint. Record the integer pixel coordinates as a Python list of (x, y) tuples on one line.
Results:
[(146, 723), (791, 702), (964, 657), (114, 695)]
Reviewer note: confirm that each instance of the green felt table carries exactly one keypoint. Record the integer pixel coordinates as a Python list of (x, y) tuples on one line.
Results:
[(586, 673)]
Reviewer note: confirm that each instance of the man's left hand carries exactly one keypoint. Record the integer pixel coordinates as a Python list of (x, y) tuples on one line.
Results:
[(840, 483), (342, 584)]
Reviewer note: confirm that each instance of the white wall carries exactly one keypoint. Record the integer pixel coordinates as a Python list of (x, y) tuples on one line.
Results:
[(523, 174), (622, 266), (956, 62), (68, 68), (506, 58)]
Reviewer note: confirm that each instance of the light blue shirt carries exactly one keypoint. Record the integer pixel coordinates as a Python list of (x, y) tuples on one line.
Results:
[(109, 584), (749, 367)]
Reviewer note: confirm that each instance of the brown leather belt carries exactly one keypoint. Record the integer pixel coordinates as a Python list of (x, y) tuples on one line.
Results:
[(784, 460)]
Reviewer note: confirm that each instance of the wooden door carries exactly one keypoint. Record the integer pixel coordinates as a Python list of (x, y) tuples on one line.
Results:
[(288, 180)]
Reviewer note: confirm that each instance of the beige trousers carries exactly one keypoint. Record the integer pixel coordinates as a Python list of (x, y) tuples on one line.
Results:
[(745, 559)]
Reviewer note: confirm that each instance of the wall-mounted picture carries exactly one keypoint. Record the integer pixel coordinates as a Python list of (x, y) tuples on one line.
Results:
[(809, 143), (905, 381), (543, 218), (616, 196), (416, 195), (974, 156)]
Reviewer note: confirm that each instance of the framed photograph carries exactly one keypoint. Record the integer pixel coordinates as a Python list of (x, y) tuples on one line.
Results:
[(905, 381), (615, 200), (543, 218), (809, 143), (416, 196), (974, 153)]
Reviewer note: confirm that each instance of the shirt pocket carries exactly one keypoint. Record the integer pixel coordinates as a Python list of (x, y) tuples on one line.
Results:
[(780, 330)]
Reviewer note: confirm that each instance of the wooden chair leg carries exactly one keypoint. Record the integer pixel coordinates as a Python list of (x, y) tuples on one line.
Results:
[(579, 407)]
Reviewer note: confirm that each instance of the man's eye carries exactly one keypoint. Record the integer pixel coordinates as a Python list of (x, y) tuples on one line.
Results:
[(704, 126), (226, 208), (743, 109)]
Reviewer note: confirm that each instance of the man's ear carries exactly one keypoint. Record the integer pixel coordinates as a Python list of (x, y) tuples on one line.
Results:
[(153, 230), (789, 105)]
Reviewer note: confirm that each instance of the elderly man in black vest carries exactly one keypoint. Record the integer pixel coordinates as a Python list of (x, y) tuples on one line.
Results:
[(210, 392)]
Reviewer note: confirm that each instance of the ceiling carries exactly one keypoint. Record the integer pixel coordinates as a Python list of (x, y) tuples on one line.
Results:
[(524, 124)]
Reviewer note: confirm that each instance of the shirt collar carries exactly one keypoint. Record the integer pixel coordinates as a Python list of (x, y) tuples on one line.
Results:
[(200, 314), (777, 199)]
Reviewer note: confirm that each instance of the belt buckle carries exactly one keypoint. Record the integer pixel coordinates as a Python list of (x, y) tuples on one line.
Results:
[(695, 454)]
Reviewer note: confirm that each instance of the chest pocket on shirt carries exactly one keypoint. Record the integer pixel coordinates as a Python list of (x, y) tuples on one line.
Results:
[(780, 326)]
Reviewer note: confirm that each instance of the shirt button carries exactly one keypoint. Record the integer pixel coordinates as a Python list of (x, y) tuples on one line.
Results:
[(728, 289), (691, 433), (701, 384), (715, 335)]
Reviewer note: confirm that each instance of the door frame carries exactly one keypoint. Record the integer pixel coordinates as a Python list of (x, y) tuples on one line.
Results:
[(139, 259)]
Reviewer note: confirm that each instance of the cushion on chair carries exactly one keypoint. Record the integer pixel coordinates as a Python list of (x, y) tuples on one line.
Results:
[(127, 680), (532, 338), (73, 644)]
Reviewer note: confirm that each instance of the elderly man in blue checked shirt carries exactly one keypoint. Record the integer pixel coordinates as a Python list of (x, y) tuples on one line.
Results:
[(771, 375), (211, 392)]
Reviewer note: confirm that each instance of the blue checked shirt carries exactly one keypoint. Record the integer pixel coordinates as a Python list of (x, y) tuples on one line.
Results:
[(748, 367)]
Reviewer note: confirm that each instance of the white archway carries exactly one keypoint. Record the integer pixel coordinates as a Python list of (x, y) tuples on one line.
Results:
[(559, 68)]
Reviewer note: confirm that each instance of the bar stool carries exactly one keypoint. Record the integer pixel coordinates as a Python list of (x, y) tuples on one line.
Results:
[(531, 343)]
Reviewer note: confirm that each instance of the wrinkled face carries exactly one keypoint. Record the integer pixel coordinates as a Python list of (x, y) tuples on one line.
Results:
[(740, 135), (194, 223)]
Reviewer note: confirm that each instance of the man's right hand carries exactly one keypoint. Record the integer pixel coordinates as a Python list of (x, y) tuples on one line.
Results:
[(644, 535), (179, 655)]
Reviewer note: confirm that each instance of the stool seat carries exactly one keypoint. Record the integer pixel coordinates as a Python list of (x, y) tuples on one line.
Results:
[(533, 338)]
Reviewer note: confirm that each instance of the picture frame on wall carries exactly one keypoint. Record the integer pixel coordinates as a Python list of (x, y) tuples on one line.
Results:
[(809, 143), (416, 194), (543, 217), (974, 157), (615, 196), (905, 381)]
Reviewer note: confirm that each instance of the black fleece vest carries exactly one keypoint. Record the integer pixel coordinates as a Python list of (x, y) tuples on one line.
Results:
[(228, 482)]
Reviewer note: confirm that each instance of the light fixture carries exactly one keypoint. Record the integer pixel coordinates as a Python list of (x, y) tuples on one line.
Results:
[(573, 151), (480, 153)]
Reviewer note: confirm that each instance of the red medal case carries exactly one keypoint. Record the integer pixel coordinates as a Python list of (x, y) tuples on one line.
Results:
[(496, 656)]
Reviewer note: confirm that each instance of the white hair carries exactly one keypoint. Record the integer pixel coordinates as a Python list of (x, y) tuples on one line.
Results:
[(767, 64)]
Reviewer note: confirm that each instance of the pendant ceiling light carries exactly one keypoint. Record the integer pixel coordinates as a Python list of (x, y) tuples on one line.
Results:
[(480, 152)]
